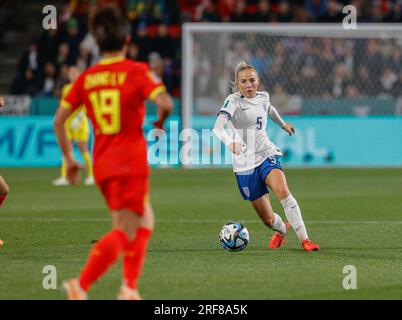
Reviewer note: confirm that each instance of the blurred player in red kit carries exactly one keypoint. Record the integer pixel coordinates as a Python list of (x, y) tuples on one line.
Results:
[(114, 92), (3, 185)]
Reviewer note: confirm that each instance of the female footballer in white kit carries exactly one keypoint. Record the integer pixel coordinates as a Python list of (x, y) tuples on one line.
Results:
[(241, 125)]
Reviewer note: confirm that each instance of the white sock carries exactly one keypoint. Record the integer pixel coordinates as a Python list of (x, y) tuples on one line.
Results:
[(293, 214), (278, 225)]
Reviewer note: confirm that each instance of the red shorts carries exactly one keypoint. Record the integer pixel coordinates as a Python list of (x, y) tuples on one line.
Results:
[(126, 193)]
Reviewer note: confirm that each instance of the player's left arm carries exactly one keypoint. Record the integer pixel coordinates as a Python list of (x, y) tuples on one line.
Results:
[(2, 102), (152, 88), (164, 102), (276, 117)]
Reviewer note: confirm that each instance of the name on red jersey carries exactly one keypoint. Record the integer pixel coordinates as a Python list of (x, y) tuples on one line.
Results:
[(105, 78)]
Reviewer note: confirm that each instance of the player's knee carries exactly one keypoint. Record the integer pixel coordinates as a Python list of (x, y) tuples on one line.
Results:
[(129, 231), (4, 188), (127, 222), (148, 219), (148, 224), (281, 192)]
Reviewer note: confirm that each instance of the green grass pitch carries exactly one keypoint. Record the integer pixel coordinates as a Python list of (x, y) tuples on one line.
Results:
[(354, 214)]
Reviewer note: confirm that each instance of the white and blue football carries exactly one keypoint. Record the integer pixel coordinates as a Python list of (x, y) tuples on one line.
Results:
[(234, 236)]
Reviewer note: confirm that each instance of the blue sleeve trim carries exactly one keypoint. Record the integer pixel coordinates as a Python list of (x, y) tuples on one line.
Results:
[(223, 111)]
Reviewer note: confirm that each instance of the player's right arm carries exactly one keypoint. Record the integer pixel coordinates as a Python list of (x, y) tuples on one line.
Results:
[(224, 120), (220, 132), (66, 108), (2, 103)]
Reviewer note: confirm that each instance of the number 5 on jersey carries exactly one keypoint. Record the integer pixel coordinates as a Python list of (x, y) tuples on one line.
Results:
[(259, 123), (106, 107)]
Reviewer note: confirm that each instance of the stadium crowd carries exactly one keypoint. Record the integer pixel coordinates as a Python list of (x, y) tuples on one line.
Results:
[(314, 67), (155, 25)]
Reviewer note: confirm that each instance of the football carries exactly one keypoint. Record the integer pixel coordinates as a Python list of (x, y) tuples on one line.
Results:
[(234, 236)]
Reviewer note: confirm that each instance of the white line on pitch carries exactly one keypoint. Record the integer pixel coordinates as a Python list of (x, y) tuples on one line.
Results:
[(52, 219)]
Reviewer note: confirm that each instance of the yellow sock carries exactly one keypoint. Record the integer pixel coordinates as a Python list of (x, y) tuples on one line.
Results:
[(88, 163), (63, 168)]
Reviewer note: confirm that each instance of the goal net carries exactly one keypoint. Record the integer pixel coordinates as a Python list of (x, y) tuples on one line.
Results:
[(308, 69)]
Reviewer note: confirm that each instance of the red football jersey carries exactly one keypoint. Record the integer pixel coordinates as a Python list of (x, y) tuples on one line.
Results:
[(114, 92)]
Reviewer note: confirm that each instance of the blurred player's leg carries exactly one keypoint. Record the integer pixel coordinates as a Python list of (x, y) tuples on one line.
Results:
[(134, 256), (104, 253), (74, 290), (272, 220), (276, 181), (127, 192), (62, 180), (3, 190), (83, 146), (2, 199), (107, 249)]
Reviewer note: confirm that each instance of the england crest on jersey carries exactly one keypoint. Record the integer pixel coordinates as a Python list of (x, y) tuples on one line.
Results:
[(246, 191)]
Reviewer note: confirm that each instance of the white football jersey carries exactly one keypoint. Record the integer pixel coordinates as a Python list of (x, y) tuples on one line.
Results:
[(249, 117)]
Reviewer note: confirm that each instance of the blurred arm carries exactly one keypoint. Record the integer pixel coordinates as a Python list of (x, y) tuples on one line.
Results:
[(164, 102), (220, 131), (275, 116)]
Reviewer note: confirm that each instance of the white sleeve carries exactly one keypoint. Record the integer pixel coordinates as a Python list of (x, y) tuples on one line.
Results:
[(219, 128), (275, 116), (229, 107)]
